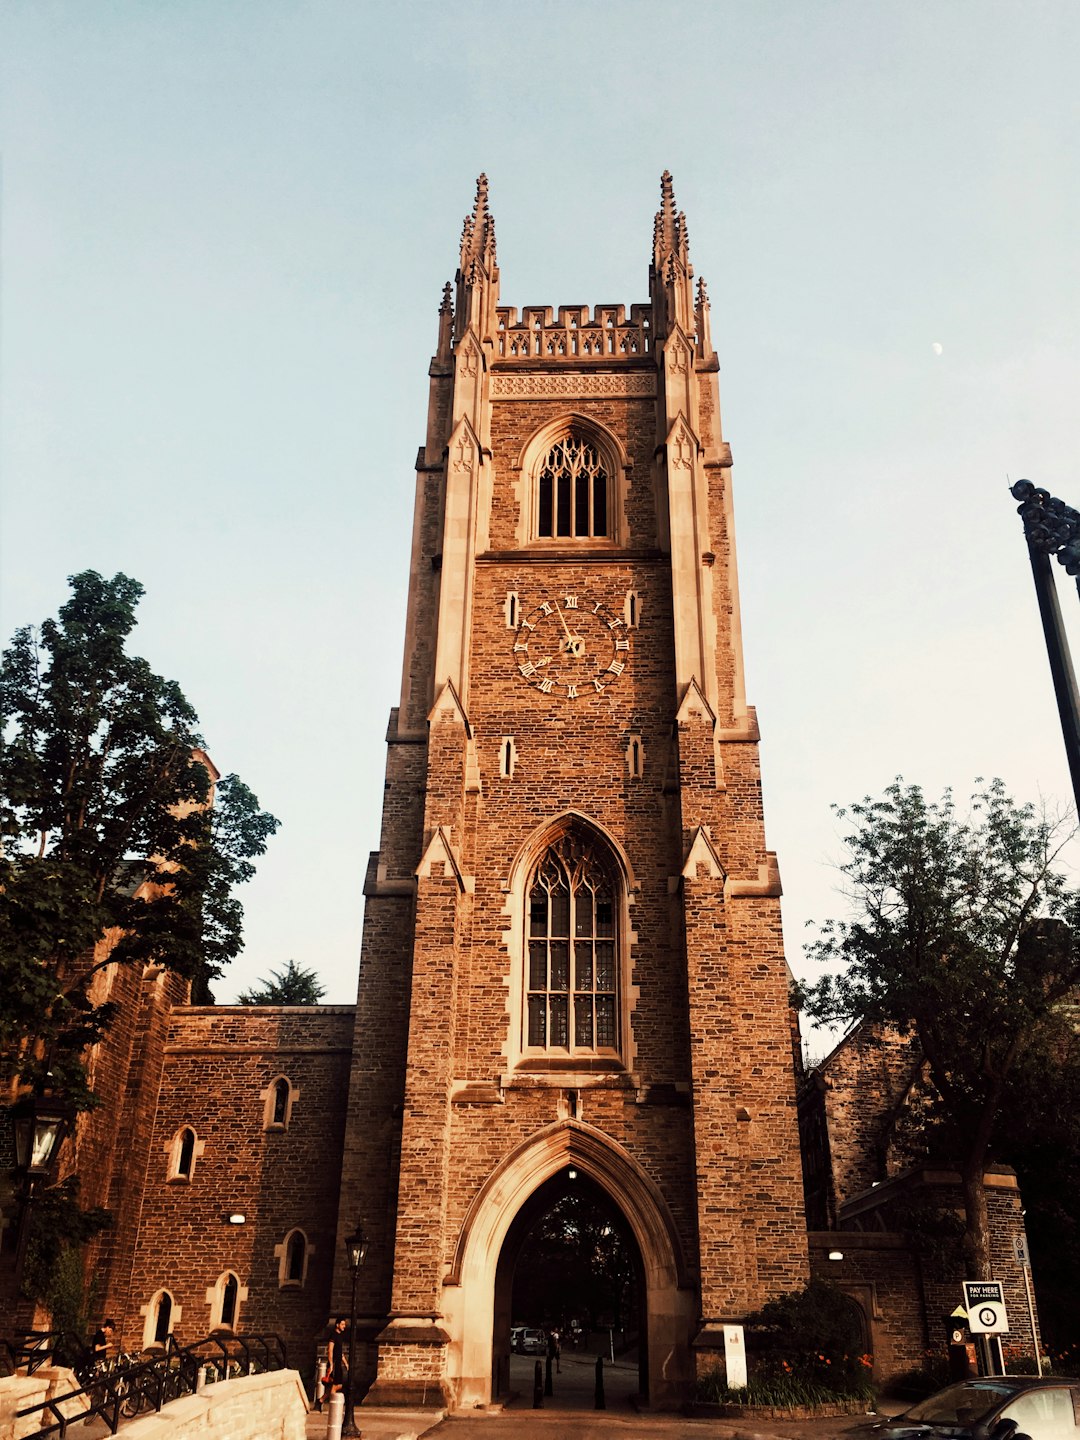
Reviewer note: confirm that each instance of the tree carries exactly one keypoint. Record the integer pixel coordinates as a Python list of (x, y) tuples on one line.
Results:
[(292, 986), (966, 937), (118, 849)]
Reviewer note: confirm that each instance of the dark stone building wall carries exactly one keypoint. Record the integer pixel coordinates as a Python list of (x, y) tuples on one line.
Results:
[(219, 1065)]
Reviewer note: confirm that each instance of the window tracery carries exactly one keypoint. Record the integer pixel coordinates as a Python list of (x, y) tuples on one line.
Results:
[(571, 962), (572, 492)]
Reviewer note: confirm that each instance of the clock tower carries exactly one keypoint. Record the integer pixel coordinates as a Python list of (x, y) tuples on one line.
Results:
[(572, 966)]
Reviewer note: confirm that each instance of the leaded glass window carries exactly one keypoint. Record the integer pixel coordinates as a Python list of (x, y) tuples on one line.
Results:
[(571, 964), (572, 492)]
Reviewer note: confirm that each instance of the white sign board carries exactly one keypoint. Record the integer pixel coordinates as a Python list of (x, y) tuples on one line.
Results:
[(1020, 1249), (985, 1301), (735, 1356)]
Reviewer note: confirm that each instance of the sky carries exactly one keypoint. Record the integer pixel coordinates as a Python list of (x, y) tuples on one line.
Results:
[(224, 230)]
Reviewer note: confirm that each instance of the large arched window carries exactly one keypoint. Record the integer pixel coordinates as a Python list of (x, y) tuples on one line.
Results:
[(573, 498), (571, 989)]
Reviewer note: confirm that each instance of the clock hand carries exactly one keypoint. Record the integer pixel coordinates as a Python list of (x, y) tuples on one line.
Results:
[(562, 618), (575, 646)]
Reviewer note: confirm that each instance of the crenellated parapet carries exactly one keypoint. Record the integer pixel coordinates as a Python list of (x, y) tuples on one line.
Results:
[(573, 333)]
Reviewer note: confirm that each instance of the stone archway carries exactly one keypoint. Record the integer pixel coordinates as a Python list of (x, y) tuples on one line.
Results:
[(475, 1293)]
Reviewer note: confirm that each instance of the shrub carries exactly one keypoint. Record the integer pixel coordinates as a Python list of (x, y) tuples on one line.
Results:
[(813, 1337)]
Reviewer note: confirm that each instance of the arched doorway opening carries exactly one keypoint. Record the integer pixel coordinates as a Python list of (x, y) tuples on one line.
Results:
[(478, 1288), (571, 1261)]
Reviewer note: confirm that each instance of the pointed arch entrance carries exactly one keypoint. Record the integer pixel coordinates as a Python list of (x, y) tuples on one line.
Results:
[(478, 1288)]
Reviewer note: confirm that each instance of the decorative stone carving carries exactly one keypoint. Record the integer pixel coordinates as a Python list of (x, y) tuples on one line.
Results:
[(572, 386)]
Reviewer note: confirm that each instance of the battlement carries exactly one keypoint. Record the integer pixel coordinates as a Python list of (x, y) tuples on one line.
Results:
[(573, 333)]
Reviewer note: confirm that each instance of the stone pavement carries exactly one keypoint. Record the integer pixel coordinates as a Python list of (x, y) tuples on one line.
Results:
[(569, 1415)]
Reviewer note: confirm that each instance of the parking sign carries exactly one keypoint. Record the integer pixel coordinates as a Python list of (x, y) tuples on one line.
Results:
[(985, 1301)]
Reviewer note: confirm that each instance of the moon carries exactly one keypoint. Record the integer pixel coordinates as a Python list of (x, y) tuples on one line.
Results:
[(937, 347)]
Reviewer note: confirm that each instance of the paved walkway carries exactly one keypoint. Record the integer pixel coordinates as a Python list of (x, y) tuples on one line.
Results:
[(568, 1414)]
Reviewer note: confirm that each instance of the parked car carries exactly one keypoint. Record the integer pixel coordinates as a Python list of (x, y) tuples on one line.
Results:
[(532, 1342), (994, 1407)]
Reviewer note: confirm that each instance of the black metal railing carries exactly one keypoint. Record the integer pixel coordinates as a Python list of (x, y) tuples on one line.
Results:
[(131, 1384)]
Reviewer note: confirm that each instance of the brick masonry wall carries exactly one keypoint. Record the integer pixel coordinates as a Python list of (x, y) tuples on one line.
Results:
[(868, 1079), (882, 1274), (571, 755), (218, 1064)]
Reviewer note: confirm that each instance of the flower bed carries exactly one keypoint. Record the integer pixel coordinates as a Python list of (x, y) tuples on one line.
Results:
[(727, 1410)]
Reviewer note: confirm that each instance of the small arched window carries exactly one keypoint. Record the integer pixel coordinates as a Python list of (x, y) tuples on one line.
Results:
[(573, 499), (293, 1257), (183, 1153), (225, 1310), (279, 1098), (230, 1292), (161, 1315), (571, 986)]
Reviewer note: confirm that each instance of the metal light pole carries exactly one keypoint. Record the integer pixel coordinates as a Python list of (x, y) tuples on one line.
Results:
[(1053, 528), (356, 1248), (39, 1124)]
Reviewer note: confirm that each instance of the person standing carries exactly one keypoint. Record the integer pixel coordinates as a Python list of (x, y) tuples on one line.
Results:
[(337, 1357), (555, 1348), (102, 1339)]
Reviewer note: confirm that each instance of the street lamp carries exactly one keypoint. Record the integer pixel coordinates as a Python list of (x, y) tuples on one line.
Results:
[(1053, 528), (39, 1123), (356, 1246)]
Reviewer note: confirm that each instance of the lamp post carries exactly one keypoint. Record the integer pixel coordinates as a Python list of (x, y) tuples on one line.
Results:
[(355, 1248), (39, 1123), (1053, 528)]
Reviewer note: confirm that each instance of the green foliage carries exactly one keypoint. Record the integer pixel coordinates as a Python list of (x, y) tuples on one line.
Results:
[(53, 1271), (965, 936), (779, 1389), (292, 986), (577, 1261), (811, 1337), (108, 831)]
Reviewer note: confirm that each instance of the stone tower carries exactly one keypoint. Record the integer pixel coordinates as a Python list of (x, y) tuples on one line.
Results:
[(572, 956)]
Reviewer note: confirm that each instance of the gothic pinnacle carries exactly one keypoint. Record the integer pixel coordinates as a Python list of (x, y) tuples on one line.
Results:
[(478, 232), (447, 306), (665, 227)]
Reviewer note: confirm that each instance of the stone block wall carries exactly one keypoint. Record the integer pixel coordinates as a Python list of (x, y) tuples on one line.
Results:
[(219, 1066), (253, 1407)]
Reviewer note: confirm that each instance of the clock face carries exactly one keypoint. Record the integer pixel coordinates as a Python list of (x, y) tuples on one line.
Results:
[(571, 645)]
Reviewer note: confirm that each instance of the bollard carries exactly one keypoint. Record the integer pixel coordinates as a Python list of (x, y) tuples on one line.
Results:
[(547, 1378), (600, 1403), (538, 1386), (337, 1415)]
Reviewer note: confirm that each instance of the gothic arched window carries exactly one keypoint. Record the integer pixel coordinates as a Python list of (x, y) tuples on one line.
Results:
[(571, 962), (183, 1152), (278, 1100), (572, 492), (226, 1301)]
